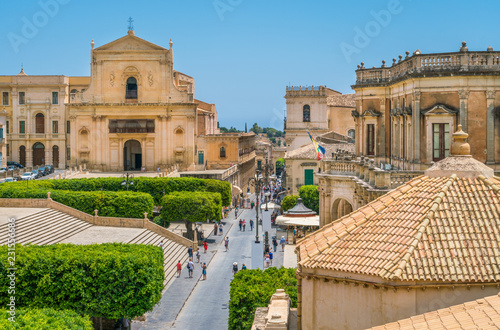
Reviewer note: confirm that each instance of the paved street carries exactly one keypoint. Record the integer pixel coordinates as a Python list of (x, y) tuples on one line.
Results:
[(204, 304)]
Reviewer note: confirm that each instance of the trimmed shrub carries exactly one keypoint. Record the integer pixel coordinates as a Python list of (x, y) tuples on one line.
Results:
[(253, 288), (289, 202), (45, 319), (109, 280), (191, 207), (110, 204), (310, 197)]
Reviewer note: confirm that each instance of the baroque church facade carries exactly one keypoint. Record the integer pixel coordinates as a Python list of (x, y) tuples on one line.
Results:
[(134, 111)]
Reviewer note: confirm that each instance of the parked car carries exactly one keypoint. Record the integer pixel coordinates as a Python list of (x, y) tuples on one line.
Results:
[(28, 176), (9, 180), (11, 168), (17, 178), (51, 168), (15, 164), (44, 170), (3, 169), (36, 174)]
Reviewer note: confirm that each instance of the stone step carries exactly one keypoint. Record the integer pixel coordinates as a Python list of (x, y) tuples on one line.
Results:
[(46, 225)]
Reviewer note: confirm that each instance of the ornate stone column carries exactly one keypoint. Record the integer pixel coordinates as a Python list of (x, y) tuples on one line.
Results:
[(490, 127), (416, 126), (464, 108)]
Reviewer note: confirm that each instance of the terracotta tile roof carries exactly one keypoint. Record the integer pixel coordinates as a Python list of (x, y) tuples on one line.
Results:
[(479, 314), (346, 100), (432, 229)]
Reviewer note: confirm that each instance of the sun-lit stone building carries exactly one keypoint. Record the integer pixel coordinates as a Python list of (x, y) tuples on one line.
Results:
[(431, 243), (318, 109), (134, 111)]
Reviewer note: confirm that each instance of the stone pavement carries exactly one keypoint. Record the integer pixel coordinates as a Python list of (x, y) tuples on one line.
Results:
[(172, 301), (191, 303)]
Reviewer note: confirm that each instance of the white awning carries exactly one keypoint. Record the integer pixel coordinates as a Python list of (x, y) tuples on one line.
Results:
[(237, 190), (270, 206), (283, 220)]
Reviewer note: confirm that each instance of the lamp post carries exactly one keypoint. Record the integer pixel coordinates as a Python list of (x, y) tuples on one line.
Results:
[(127, 180), (257, 181)]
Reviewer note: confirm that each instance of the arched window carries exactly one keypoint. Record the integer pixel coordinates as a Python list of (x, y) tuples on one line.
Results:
[(222, 152), (351, 133), (306, 114), (131, 92), (39, 123)]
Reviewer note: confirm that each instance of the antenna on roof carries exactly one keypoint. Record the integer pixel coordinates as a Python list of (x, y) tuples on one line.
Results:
[(130, 24)]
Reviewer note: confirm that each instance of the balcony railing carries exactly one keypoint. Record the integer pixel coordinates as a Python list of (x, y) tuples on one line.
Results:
[(463, 61), (131, 129)]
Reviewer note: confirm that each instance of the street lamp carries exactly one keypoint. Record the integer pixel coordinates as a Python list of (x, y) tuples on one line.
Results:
[(127, 180), (257, 181)]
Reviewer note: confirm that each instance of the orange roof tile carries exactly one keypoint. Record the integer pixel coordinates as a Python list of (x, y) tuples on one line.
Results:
[(478, 314), (432, 228)]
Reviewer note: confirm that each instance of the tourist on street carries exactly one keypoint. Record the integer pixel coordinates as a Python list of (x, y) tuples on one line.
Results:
[(179, 269), (275, 243), (251, 205), (220, 228), (271, 257), (161, 245), (226, 243), (215, 229), (190, 267), (244, 224), (251, 224), (198, 256), (243, 267), (235, 268), (268, 261), (282, 242), (205, 247), (190, 252), (204, 271), (241, 223)]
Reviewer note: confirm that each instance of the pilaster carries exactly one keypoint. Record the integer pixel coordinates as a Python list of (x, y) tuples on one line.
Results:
[(490, 127)]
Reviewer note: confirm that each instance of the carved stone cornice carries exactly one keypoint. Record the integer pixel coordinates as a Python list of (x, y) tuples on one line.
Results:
[(490, 94), (463, 94)]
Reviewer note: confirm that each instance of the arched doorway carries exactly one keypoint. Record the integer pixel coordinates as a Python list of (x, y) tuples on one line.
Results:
[(55, 156), (22, 155), (132, 156), (38, 154), (340, 208)]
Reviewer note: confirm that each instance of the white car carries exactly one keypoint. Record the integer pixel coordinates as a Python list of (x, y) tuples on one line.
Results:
[(27, 176)]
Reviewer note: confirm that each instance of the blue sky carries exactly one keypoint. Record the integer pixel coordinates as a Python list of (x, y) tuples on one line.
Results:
[(243, 53)]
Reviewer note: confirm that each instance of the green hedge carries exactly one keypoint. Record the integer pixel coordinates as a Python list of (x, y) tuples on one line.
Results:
[(110, 204), (153, 186), (109, 280), (253, 288), (191, 206), (45, 319)]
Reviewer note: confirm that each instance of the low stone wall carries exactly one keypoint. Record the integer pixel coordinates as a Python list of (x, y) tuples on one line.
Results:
[(95, 219)]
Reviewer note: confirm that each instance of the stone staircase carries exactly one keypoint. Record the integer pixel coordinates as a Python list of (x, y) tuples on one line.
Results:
[(52, 226)]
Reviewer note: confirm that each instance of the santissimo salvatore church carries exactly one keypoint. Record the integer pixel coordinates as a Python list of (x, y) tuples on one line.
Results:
[(134, 111)]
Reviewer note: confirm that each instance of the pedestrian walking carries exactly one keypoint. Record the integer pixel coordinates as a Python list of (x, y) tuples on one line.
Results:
[(282, 242), (190, 267), (235, 268), (205, 247), (251, 224), (243, 267), (241, 224), (244, 225), (275, 243), (268, 261), (198, 256), (179, 269), (204, 271), (271, 257), (226, 243), (215, 229), (236, 212), (251, 205), (190, 252), (220, 229), (161, 245)]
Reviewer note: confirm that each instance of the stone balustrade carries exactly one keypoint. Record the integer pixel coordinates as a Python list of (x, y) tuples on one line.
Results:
[(442, 63)]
